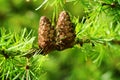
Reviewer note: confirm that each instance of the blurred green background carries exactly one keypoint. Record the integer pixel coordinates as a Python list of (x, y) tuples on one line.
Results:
[(17, 14)]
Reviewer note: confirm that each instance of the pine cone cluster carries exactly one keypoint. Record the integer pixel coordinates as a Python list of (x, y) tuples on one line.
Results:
[(61, 37)]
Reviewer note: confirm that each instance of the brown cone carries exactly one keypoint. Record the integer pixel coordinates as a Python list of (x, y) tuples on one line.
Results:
[(65, 35), (45, 35)]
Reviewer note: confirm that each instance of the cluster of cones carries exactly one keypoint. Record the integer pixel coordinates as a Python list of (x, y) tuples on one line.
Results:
[(60, 37)]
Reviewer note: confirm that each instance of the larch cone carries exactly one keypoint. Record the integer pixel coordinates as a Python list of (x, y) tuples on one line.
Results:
[(45, 35), (65, 35)]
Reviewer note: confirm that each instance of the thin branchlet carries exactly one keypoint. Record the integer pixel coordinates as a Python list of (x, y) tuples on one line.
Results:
[(5, 54)]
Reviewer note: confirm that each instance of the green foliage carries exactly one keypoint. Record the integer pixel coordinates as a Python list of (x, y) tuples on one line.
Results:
[(16, 41), (95, 56), (15, 61)]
